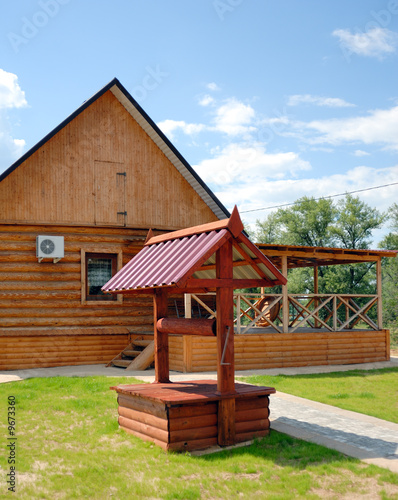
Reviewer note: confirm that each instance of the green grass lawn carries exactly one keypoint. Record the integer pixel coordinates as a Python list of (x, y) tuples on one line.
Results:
[(69, 446), (372, 392)]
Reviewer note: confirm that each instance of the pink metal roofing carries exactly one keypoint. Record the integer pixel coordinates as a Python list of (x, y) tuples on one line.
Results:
[(172, 258), (165, 263)]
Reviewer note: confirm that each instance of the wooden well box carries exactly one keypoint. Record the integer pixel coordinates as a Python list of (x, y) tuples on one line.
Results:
[(185, 416)]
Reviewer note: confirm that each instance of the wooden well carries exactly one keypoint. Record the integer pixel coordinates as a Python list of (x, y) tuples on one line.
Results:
[(185, 417), (197, 414)]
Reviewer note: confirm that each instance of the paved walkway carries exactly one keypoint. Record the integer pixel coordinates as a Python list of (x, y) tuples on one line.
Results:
[(367, 438)]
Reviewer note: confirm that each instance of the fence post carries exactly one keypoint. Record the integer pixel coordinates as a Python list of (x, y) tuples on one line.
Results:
[(238, 313), (285, 298), (335, 313), (379, 299)]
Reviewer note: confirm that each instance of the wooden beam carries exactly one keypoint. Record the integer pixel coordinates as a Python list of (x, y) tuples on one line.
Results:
[(225, 348), (187, 326), (233, 224), (285, 298), (195, 283), (379, 295), (316, 291), (250, 260), (161, 339), (144, 359), (264, 260)]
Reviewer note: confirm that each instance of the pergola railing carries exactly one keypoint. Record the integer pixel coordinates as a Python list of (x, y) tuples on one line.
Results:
[(333, 312)]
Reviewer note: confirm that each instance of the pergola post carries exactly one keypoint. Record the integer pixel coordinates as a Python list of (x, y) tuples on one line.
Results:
[(378, 291), (225, 348), (316, 291), (285, 298), (161, 339)]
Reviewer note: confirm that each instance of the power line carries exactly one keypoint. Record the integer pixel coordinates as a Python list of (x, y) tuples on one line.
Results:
[(321, 198)]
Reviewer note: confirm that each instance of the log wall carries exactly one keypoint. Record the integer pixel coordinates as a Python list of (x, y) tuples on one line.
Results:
[(36, 348), (258, 351), (43, 319), (186, 425)]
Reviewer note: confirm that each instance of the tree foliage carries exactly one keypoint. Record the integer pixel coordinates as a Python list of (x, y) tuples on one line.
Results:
[(390, 273), (323, 223)]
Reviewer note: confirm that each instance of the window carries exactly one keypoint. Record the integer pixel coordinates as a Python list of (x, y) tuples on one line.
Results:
[(97, 269)]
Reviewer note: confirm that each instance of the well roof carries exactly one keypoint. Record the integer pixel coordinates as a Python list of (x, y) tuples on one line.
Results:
[(176, 259)]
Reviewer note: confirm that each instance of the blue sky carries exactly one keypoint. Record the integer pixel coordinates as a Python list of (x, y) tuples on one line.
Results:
[(269, 100)]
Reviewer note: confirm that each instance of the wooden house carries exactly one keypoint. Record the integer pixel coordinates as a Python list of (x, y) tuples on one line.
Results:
[(73, 210)]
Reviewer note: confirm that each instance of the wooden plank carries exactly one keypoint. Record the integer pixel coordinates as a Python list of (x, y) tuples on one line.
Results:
[(192, 410), (193, 434), (192, 422), (250, 404), (252, 426), (145, 429), (249, 415), (144, 418), (144, 359), (155, 408)]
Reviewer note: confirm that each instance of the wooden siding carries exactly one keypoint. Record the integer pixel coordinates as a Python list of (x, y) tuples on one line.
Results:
[(77, 178), (258, 351), (45, 294), (61, 347)]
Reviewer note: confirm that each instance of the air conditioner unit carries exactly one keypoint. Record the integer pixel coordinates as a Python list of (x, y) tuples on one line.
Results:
[(49, 247)]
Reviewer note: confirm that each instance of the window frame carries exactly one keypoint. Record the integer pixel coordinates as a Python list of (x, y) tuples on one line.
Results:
[(117, 257)]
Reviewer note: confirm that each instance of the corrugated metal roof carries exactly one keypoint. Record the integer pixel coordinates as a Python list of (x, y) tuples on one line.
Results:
[(166, 263)]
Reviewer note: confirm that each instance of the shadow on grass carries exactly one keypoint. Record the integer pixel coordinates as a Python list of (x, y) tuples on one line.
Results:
[(283, 450)]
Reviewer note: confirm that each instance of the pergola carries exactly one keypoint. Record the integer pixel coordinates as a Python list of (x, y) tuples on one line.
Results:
[(286, 257), (212, 257)]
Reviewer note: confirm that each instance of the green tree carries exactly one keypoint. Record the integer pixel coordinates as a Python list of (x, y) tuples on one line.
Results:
[(310, 222), (355, 223), (390, 274)]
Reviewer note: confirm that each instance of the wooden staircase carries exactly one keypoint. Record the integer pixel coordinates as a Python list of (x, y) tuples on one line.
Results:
[(138, 355)]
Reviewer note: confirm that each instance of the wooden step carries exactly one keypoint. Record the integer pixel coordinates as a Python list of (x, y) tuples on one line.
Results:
[(121, 363), (131, 353), (145, 358), (141, 343)]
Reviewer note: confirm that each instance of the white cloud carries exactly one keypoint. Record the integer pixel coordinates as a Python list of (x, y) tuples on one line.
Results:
[(267, 192), (380, 126), (168, 127), (206, 100), (10, 149), (11, 97), (234, 118), (331, 102), (213, 86), (11, 94), (359, 152), (377, 42), (248, 165)]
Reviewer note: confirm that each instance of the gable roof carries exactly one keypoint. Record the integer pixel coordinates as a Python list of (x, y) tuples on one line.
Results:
[(186, 258), (153, 131)]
